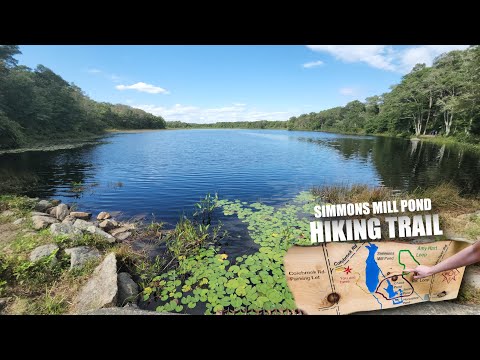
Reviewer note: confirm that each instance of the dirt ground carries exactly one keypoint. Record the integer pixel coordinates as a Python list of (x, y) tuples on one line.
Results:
[(8, 232)]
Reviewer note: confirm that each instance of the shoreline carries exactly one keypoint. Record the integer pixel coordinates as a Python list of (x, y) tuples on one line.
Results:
[(97, 139), (132, 131), (63, 146)]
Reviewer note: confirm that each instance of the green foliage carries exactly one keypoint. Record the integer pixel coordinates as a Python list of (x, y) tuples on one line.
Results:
[(189, 237), (155, 227), (204, 209), (86, 239), (21, 203), (250, 282), (39, 105), (4, 269), (49, 304), (261, 124), (44, 271), (443, 99)]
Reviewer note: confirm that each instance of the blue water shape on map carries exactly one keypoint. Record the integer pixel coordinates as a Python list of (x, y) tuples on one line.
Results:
[(372, 270), (390, 291), (398, 300)]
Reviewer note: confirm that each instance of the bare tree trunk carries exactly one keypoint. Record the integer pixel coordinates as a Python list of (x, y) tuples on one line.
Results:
[(430, 103), (418, 125), (448, 122)]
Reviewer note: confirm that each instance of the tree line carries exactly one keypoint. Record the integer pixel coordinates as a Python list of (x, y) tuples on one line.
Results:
[(38, 105), (260, 124), (441, 99)]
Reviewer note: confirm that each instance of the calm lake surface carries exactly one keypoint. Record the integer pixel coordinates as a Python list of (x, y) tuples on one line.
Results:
[(166, 172)]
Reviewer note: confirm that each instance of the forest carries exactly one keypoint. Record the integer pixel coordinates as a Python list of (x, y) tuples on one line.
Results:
[(443, 99), (37, 105)]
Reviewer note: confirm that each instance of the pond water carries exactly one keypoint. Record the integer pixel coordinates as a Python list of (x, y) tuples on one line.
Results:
[(165, 172)]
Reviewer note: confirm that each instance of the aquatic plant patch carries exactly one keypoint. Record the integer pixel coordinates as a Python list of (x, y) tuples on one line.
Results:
[(249, 283)]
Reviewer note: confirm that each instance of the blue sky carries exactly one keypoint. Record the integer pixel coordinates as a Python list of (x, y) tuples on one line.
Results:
[(206, 84)]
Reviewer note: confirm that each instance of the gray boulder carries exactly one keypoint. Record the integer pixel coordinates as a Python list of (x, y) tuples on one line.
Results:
[(42, 222), (101, 289), (43, 205), (123, 236), (61, 212), (81, 215), (42, 251), (96, 231), (65, 229), (69, 220), (103, 216), (127, 289), (119, 230), (107, 225), (81, 254), (55, 202), (82, 224)]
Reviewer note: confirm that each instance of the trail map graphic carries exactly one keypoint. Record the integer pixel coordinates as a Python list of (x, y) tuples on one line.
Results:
[(341, 278)]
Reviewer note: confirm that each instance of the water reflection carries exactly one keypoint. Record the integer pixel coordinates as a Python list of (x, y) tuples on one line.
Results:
[(405, 164), (167, 172), (46, 174)]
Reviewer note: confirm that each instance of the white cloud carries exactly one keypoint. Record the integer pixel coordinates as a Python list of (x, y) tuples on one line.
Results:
[(312, 64), (386, 57), (113, 77), (194, 114), (143, 87), (424, 54), (347, 91), (374, 55), (94, 71)]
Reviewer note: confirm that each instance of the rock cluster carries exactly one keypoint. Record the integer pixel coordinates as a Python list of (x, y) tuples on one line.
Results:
[(105, 288), (62, 220)]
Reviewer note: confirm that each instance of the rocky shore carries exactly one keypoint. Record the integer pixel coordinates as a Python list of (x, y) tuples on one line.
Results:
[(92, 250), (106, 286)]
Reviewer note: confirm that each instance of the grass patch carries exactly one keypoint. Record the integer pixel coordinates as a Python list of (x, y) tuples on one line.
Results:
[(137, 263), (22, 204), (451, 141), (351, 194), (92, 240), (469, 295)]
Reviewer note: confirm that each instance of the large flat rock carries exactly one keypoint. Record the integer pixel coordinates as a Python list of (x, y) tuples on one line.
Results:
[(81, 254), (429, 308), (101, 289), (42, 222)]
